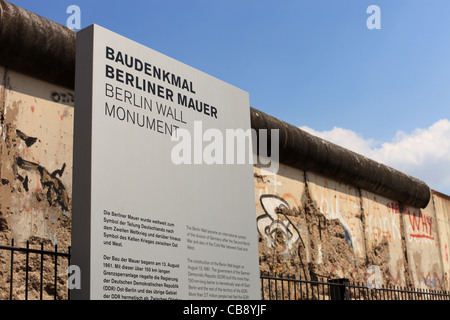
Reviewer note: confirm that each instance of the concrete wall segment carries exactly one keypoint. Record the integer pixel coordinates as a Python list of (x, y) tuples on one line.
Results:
[(442, 210), (423, 248), (339, 201), (278, 201), (36, 159)]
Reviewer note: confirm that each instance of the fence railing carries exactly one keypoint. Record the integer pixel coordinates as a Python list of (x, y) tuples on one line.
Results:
[(273, 287), (279, 287), (20, 271), (361, 292)]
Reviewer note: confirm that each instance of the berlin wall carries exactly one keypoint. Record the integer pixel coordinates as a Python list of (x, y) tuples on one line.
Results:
[(314, 217)]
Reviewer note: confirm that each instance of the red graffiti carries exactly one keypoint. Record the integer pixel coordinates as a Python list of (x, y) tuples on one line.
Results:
[(393, 207), (420, 224), (290, 196), (394, 280), (431, 280)]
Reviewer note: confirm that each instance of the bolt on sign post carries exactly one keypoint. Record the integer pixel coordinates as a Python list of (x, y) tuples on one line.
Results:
[(146, 225)]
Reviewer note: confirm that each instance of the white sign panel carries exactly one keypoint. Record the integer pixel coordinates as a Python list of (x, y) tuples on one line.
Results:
[(146, 223)]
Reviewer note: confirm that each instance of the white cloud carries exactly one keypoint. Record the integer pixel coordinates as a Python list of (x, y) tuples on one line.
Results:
[(424, 153)]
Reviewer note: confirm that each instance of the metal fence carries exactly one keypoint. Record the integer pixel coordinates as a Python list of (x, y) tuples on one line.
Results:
[(19, 270), (273, 287), (279, 287)]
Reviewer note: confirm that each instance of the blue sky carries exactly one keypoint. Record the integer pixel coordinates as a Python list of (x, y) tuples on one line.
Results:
[(313, 63)]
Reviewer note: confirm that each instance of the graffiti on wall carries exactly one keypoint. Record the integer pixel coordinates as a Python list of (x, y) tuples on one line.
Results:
[(330, 209), (63, 97), (55, 191), (382, 220), (36, 167), (341, 202), (419, 227), (273, 220)]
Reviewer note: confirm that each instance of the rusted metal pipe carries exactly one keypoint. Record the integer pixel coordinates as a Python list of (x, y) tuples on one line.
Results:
[(45, 50), (36, 46)]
